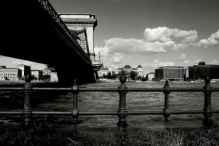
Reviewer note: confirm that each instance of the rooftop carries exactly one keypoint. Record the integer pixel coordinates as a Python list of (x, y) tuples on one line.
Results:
[(11, 68), (77, 15), (171, 67), (127, 66), (103, 68), (139, 66), (80, 18)]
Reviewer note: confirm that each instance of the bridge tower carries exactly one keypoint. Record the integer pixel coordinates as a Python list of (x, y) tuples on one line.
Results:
[(85, 23), (80, 21)]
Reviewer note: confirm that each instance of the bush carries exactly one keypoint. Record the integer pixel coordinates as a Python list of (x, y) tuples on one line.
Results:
[(143, 79)]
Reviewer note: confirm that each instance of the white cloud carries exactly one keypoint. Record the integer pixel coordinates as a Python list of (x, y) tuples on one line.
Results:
[(115, 48), (214, 62), (117, 58), (136, 46), (198, 60), (212, 40), (163, 34), (186, 62), (182, 56), (157, 40), (157, 63), (166, 63)]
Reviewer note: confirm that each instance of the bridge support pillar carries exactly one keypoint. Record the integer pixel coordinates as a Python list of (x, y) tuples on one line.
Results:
[(83, 74)]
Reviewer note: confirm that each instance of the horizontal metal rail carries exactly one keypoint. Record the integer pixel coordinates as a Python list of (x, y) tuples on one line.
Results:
[(99, 89), (104, 112), (122, 112)]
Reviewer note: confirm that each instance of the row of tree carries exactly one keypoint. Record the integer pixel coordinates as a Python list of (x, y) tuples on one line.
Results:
[(132, 75), (110, 75)]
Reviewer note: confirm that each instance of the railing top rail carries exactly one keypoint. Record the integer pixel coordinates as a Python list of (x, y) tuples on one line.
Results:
[(12, 88), (105, 89)]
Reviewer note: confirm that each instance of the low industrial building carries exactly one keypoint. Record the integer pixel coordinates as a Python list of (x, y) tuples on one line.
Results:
[(170, 73), (201, 71), (37, 74), (10, 73), (150, 76)]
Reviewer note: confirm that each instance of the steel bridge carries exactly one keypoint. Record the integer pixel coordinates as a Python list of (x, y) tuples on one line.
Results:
[(32, 30)]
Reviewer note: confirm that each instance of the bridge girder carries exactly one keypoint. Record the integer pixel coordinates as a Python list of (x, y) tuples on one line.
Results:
[(33, 31)]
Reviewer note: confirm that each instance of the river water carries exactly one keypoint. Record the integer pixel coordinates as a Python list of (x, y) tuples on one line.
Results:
[(149, 101), (90, 101)]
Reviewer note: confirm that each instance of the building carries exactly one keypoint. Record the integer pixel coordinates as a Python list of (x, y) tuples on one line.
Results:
[(54, 77), (37, 74), (139, 71), (24, 68), (103, 71), (10, 73), (170, 73), (47, 71), (127, 68), (118, 70), (51, 73), (150, 76), (201, 71)]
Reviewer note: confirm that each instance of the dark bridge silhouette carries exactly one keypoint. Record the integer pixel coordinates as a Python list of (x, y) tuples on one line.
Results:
[(32, 30)]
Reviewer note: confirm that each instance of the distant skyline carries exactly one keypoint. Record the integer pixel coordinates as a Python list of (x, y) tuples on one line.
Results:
[(151, 33)]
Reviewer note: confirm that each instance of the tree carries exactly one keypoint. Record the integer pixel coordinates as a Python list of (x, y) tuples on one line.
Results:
[(33, 77), (143, 79), (123, 72), (109, 76), (113, 75), (104, 76), (133, 75), (45, 77)]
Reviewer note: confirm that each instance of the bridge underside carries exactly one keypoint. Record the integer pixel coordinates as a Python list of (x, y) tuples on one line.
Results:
[(32, 33)]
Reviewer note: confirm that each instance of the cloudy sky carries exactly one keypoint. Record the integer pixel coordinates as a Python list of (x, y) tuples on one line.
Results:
[(151, 33)]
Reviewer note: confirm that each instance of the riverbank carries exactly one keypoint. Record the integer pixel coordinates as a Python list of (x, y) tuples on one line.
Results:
[(47, 135)]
